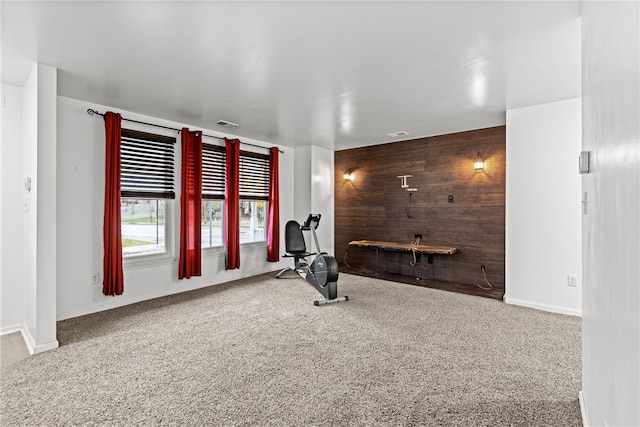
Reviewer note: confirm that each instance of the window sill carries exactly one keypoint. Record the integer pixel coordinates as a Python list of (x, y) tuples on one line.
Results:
[(251, 246), (144, 261), (247, 245)]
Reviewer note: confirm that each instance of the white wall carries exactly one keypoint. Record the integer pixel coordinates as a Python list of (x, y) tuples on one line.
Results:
[(80, 212), (611, 227), (314, 192), (303, 165), (55, 240), (322, 195), (12, 289), (543, 231)]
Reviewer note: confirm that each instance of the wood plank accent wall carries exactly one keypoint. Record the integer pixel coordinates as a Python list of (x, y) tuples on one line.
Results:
[(374, 207)]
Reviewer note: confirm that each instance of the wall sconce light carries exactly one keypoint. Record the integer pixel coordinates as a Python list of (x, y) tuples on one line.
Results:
[(348, 176), (478, 164)]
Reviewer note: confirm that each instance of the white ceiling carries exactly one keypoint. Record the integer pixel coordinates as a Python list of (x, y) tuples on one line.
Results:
[(333, 74)]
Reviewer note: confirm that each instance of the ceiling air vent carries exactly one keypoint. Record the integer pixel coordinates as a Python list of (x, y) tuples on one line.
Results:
[(227, 124), (397, 134)]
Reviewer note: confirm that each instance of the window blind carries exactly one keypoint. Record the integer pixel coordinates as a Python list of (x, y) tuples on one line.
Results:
[(147, 165), (254, 176), (213, 158)]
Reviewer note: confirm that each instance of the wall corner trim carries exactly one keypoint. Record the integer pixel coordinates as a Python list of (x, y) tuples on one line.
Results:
[(31, 342)]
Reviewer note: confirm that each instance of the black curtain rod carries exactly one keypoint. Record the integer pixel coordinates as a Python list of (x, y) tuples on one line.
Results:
[(91, 112)]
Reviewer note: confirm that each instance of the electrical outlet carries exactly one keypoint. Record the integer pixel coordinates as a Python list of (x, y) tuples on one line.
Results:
[(572, 281), (95, 279), (482, 267), (417, 236), (450, 198)]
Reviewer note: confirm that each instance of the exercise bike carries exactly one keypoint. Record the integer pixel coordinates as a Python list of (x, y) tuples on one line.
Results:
[(322, 274)]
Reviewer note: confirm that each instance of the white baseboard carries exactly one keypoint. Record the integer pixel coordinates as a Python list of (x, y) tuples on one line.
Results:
[(28, 339), (543, 307), (31, 342), (10, 329), (583, 409)]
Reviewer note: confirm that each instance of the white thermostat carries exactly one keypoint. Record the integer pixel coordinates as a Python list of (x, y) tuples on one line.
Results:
[(583, 162)]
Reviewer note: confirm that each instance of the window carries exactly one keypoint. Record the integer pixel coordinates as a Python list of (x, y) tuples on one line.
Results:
[(254, 195), (253, 224), (212, 223), (147, 183), (143, 226), (147, 186), (212, 195)]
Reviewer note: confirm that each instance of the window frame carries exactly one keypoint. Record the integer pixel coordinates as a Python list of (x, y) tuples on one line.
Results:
[(168, 168), (254, 185), (213, 185)]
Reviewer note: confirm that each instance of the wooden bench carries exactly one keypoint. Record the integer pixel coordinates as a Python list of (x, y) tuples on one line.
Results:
[(403, 247)]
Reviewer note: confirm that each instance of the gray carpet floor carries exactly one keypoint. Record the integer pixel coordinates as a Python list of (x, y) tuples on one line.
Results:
[(257, 352)]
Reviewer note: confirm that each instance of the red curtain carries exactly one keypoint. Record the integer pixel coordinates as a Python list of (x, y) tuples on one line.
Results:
[(232, 204), (112, 260), (273, 220), (190, 261)]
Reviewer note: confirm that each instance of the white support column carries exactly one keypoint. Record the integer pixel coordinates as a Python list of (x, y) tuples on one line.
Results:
[(39, 206), (313, 191)]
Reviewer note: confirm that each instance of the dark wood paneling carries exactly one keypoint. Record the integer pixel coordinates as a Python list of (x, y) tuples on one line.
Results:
[(374, 207)]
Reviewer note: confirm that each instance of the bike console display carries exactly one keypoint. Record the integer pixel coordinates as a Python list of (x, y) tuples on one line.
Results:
[(312, 219)]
